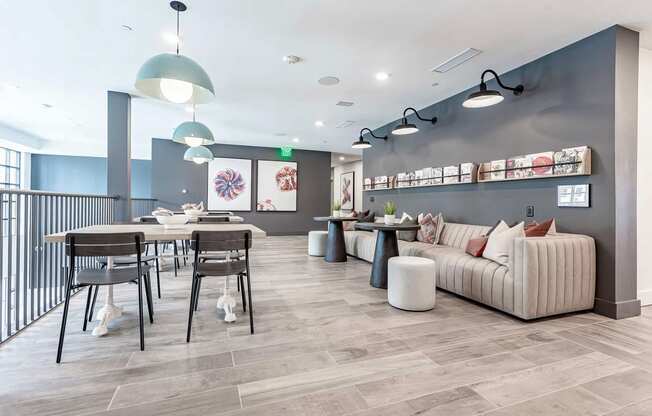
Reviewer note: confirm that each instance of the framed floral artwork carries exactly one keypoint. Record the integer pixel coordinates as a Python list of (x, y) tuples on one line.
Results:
[(347, 190), (277, 185), (229, 184)]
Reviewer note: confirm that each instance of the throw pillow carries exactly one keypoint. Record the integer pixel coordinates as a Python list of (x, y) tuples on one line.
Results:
[(539, 230), (500, 241), (368, 218), (410, 235), (440, 227), (475, 246), (428, 231)]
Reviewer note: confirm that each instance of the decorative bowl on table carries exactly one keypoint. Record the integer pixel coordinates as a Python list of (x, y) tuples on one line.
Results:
[(193, 213), (172, 221)]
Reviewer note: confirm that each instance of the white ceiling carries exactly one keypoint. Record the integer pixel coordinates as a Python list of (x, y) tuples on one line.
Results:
[(68, 53)]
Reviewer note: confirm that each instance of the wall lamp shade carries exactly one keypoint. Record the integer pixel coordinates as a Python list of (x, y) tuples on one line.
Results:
[(193, 134), (199, 154), (361, 143), (486, 97), (175, 78), (406, 128)]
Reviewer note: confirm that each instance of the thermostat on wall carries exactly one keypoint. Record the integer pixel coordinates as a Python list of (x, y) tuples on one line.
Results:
[(573, 196)]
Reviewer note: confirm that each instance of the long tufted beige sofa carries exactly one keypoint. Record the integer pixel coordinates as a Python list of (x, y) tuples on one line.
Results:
[(546, 275)]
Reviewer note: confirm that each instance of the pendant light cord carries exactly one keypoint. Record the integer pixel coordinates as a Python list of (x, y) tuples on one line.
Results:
[(178, 38)]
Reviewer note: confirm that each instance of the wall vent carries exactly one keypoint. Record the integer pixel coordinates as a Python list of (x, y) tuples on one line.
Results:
[(456, 60), (345, 124), (344, 103)]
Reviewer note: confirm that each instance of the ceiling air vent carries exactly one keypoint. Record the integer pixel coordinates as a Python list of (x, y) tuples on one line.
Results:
[(345, 124), (344, 104), (456, 60)]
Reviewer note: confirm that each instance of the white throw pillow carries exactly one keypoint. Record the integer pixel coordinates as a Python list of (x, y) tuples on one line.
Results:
[(500, 241), (405, 216)]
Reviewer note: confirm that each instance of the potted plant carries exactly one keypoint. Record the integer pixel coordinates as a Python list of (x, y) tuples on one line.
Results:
[(390, 213), (337, 206)]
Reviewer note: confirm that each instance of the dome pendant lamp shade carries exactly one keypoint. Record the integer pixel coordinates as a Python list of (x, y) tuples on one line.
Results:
[(193, 133), (173, 77), (486, 97), (406, 128), (361, 143), (199, 155)]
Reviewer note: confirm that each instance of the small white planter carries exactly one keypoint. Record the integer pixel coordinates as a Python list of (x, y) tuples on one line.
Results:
[(390, 219), (337, 214)]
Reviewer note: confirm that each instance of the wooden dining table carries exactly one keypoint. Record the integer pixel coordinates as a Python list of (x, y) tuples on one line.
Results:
[(153, 232)]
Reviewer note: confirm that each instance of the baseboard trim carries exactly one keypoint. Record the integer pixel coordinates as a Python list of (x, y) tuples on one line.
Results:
[(646, 297), (617, 310)]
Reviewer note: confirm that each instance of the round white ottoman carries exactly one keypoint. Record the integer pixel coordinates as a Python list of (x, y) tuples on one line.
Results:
[(317, 243), (411, 283)]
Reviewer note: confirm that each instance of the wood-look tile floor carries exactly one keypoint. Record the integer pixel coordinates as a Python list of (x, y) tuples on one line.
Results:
[(327, 343)]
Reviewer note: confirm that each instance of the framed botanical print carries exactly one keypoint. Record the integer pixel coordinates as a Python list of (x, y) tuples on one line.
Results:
[(229, 184), (277, 185), (347, 190)]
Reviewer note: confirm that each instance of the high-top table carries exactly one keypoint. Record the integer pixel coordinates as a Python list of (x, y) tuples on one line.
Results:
[(335, 248), (153, 232), (386, 247)]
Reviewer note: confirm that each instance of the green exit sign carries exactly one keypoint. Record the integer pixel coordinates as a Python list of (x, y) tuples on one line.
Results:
[(285, 151)]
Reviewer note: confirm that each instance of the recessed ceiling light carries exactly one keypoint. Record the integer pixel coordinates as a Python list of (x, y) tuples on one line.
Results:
[(292, 59), (342, 158), (382, 76), (319, 123), (296, 140), (127, 27), (328, 81), (171, 38)]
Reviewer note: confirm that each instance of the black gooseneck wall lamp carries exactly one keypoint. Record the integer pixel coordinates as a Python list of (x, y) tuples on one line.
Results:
[(406, 128), (361, 143), (485, 97)]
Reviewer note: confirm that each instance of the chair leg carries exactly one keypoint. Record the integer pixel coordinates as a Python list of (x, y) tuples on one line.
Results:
[(140, 314), (175, 250), (192, 306), (251, 305), (244, 302), (65, 317), (197, 289), (90, 312), (158, 278), (88, 306), (183, 250), (148, 294)]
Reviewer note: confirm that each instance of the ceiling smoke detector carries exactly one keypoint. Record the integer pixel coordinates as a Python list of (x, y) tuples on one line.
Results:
[(292, 59), (344, 103), (328, 81)]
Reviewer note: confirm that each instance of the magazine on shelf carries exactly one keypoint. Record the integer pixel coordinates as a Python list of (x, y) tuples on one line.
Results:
[(571, 161), (497, 169), (451, 174), (411, 177), (518, 167), (427, 176), (381, 182), (484, 170), (400, 180), (466, 172), (368, 183), (542, 163)]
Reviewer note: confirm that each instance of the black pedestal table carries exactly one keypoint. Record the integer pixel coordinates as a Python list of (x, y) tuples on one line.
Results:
[(386, 247), (335, 248)]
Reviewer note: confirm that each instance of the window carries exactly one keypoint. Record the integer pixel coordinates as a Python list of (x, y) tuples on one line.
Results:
[(9, 168)]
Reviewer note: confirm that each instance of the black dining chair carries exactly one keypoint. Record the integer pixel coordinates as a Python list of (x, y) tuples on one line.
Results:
[(105, 244), (235, 263)]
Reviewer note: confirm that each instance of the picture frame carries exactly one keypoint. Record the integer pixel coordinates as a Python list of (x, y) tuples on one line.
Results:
[(230, 184), (276, 186), (347, 191)]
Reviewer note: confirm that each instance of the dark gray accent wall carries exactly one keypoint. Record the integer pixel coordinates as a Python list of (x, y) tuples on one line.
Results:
[(84, 175), (118, 152), (171, 175), (583, 94)]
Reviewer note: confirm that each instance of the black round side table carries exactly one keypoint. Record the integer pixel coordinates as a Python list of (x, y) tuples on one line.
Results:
[(335, 248), (386, 247)]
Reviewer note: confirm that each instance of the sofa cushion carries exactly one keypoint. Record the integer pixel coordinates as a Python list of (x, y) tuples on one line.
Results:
[(458, 235)]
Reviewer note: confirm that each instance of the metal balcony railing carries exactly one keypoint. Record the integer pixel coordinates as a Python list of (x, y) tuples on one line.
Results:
[(33, 271)]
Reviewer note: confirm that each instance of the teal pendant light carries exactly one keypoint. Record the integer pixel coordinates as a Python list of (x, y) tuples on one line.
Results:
[(199, 155), (193, 133), (173, 77)]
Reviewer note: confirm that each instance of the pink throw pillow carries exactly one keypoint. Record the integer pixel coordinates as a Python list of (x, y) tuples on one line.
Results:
[(428, 231)]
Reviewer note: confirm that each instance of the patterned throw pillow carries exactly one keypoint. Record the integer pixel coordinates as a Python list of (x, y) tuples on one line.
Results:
[(428, 231)]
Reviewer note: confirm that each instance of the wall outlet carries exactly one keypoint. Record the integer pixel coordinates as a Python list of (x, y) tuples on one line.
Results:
[(372, 199), (529, 211)]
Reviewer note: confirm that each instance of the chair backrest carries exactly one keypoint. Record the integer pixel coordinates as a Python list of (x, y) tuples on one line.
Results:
[(213, 219), (219, 213), (104, 244), (150, 220), (220, 240)]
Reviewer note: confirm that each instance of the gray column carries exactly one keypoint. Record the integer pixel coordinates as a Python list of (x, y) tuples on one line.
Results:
[(119, 152)]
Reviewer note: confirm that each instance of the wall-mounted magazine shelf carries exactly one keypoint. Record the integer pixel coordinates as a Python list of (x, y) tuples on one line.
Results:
[(574, 161), (465, 173)]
